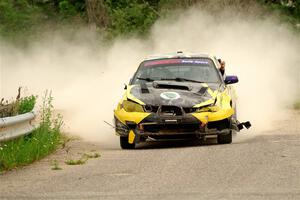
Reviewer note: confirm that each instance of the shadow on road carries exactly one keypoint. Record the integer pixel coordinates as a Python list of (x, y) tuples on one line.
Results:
[(175, 144)]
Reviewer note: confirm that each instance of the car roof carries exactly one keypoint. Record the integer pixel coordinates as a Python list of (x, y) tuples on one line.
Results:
[(178, 54)]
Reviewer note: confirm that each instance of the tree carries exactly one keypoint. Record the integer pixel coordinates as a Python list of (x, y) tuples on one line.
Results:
[(96, 12)]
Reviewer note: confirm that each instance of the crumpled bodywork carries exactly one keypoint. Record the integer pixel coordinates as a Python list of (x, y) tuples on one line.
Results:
[(212, 105)]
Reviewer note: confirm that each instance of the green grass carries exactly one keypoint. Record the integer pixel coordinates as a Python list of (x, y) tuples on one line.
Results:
[(55, 165), (84, 158), (80, 161), (26, 104), (92, 155), (25, 150), (42, 141)]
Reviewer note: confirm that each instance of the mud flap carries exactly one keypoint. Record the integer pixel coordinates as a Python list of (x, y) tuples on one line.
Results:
[(131, 137)]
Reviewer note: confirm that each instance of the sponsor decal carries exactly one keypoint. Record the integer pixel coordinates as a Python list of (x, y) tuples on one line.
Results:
[(170, 95), (195, 62)]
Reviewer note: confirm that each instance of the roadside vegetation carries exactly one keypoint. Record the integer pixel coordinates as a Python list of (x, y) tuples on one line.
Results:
[(83, 159), (18, 106), (288, 9), (55, 165), (24, 20), (42, 141)]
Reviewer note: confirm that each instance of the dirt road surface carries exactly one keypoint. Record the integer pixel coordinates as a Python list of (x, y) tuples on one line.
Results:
[(255, 166)]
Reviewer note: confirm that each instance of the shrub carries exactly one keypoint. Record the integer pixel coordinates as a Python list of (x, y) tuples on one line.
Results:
[(19, 106), (66, 8), (26, 104), (18, 17), (130, 18), (42, 141)]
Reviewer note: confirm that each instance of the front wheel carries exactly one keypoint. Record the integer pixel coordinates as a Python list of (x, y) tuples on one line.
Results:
[(125, 144), (225, 139)]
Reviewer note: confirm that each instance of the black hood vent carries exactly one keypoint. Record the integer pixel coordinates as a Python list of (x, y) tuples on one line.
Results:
[(170, 86), (202, 90), (144, 88)]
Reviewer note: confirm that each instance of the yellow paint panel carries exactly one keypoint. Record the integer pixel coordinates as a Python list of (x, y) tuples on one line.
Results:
[(124, 116), (213, 94), (131, 97), (209, 109), (131, 137), (205, 103), (205, 117)]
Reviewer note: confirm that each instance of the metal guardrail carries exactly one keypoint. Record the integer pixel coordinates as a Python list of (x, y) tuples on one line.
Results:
[(16, 126)]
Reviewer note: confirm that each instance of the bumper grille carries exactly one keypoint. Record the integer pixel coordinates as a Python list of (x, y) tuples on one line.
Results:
[(152, 109), (189, 109), (169, 109), (171, 128)]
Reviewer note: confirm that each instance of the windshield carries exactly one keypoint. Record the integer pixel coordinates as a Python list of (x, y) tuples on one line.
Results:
[(191, 70)]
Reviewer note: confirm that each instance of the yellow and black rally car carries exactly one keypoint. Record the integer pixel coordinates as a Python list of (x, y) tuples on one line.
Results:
[(178, 96)]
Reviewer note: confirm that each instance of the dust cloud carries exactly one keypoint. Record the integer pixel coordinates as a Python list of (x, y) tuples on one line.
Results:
[(87, 77)]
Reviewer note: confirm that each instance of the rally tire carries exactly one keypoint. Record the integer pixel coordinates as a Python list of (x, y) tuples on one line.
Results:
[(225, 139), (125, 144)]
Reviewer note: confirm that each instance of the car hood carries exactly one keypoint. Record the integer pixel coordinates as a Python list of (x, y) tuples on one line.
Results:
[(183, 94)]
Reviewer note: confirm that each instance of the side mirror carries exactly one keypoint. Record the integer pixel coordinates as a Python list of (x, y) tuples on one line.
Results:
[(231, 80), (125, 86)]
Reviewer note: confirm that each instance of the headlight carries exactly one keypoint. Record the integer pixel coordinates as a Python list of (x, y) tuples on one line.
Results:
[(130, 106)]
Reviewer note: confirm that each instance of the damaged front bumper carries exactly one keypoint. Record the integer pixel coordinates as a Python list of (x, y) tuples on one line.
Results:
[(157, 127)]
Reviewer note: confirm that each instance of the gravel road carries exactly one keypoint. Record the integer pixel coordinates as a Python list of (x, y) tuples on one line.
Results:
[(256, 166)]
